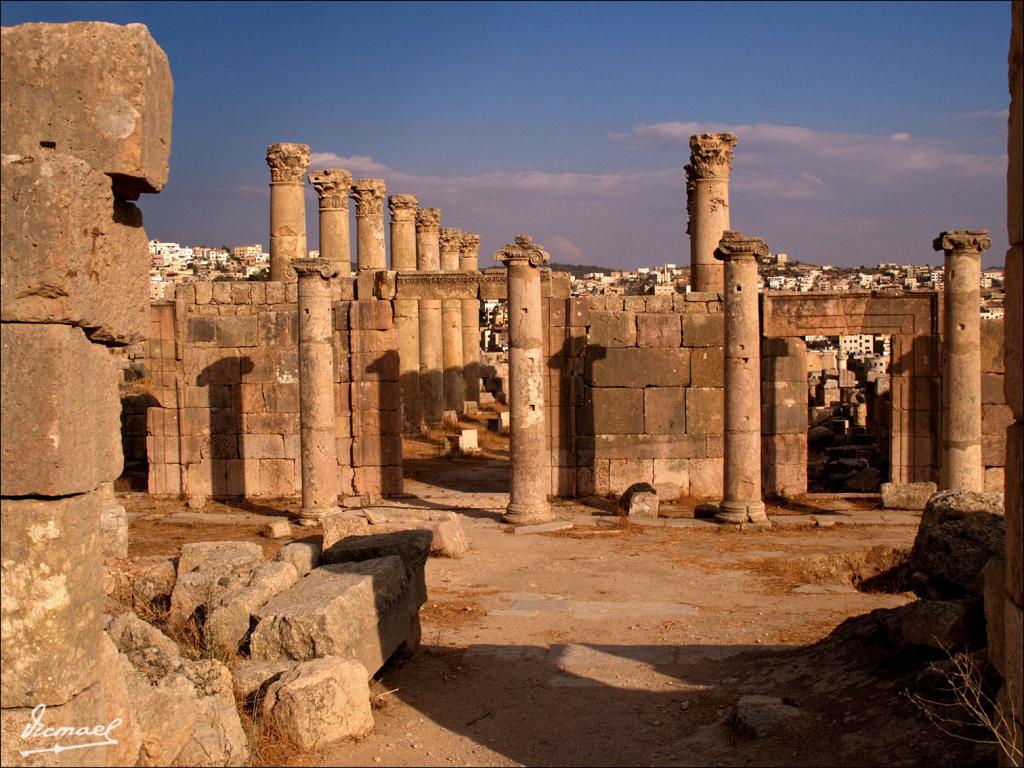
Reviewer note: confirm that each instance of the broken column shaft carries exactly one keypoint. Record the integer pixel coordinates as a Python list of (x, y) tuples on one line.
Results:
[(707, 178), (288, 164), (528, 450), (742, 501), (369, 197), (316, 390), (332, 188), (961, 461)]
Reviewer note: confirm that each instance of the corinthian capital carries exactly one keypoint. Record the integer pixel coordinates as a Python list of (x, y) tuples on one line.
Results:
[(369, 196), (450, 239), (522, 250), (470, 244), (428, 218), (975, 240), (735, 246), (331, 185), (287, 162), (711, 155), (403, 207)]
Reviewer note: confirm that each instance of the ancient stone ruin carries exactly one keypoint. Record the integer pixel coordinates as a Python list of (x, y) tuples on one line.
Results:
[(300, 394)]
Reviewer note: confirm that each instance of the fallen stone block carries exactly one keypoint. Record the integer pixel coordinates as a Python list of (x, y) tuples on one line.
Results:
[(321, 702), (907, 495), (50, 561), (762, 716), (129, 633), (100, 92), (114, 530), (303, 555), (343, 524), (362, 610), (251, 678), (195, 554), (60, 403), (945, 625), (278, 529), (468, 444), (449, 539), (202, 587), (523, 530), (228, 616), (639, 500)]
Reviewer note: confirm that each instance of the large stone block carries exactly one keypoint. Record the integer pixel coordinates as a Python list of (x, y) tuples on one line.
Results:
[(362, 610), (612, 329), (707, 368), (98, 91), (706, 478), (60, 411), (664, 410), (613, 411), (637, 367), (71, 253), (672, 478), (52, 589), (640, 446), (626, 472), (705, 410), (658, 330), (703, 329)]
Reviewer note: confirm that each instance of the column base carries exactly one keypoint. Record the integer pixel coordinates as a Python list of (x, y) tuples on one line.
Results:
[(528, 514), (739, 512), (309, 518)]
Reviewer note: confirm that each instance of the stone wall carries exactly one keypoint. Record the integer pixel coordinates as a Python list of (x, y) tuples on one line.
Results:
[(996, 415), (224, 370)]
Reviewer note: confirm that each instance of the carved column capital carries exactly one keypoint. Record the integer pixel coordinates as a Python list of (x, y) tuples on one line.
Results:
[(522, 250), (403, 207), (332, 186), (735, 246), (969, 240), (711, 155), (450, 239), (369, 196), (288, 162), (470, 244), (428, 218), (308, 267)]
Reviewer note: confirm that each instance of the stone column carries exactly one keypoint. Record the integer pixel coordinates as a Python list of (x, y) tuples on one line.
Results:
[(708, 175), (468, 255), (742, 501), (288, 163), (369, 197), (962, 468), (407, 316), (528, 451), (428, 259), (451, 325), (316, 391), (332, 186)]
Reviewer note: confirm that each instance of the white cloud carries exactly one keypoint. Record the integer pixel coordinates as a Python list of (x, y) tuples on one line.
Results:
[(562, 248), (985, 114)]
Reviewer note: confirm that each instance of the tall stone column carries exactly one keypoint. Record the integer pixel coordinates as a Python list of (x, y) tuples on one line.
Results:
[(407, 315), (428, 259), (742, 501), (288, 164), (468, 256), (332, 187), (316, 391), (531, 465), (708, 175), (962, 467), (369, 197), (451, 325)]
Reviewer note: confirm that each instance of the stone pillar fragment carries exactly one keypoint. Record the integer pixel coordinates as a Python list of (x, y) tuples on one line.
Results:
[(316, 391), (961, 462), (451, 325), (407, 316), (468, 256), (742, 500), (707, 183), (428, 259), (288, 164), (332, 186), (369, 197), (528, 450)]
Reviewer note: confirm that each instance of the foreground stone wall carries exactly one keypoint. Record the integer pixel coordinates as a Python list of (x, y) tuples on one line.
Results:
[(225, 373), (996, 415)]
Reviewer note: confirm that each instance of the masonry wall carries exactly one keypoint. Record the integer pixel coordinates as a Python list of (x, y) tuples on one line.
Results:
[(996, 415), (635, 394), (222, 364)]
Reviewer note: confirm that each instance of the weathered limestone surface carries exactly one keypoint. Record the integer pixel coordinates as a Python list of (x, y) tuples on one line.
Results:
[(907, 495), (742, 468), (288, 164), (99, 92), (332, 187), (428, 259), (962, 465), (707, 178), (468, 257), (450, 242), (52, 597), (403, 232), (60, 403), (369, 197), (528, 450)]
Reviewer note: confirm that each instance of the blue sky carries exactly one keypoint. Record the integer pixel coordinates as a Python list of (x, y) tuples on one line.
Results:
[(864, 129)]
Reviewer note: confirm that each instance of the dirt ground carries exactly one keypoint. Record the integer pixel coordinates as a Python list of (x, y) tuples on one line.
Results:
[(621, 644)]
